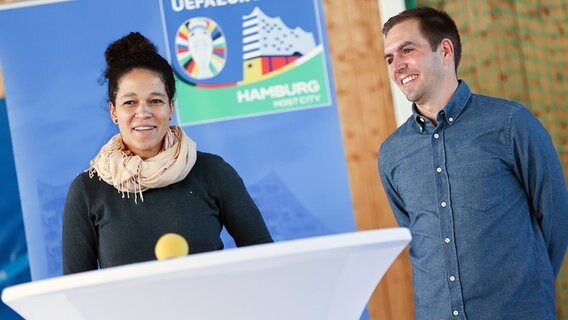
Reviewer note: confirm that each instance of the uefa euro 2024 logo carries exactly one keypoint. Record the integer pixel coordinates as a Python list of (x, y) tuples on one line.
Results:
[(201, 48)]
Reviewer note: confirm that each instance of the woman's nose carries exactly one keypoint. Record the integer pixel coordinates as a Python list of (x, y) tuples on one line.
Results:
[(143, 110)]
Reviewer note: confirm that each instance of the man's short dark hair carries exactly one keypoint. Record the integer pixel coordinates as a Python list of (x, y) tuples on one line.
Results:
[(435, 25)]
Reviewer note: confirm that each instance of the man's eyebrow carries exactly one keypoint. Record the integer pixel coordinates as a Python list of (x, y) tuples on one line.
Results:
[(402, 45)]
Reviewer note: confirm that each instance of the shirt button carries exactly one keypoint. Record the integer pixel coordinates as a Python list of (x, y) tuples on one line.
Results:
[(443, 204), (450, 119), (436, 136), (421, 119), (452, 278), (455, 313), (438, 169), (447, 240)]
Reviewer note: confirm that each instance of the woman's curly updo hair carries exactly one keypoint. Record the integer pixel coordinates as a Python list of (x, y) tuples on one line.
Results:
[(134, 51)]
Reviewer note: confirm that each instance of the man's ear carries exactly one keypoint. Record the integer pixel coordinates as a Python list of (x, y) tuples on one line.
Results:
[(448, 52)]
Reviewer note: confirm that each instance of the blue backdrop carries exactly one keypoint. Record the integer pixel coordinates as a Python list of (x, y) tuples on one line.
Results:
[(14, 267), (52, 57)]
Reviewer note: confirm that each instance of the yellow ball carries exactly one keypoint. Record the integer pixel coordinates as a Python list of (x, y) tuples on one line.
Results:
[(171, 245)]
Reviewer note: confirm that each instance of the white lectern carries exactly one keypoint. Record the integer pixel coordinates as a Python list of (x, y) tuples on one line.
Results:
[(328, 277)]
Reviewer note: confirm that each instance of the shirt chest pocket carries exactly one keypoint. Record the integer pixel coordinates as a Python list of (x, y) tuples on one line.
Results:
[(477, 185)]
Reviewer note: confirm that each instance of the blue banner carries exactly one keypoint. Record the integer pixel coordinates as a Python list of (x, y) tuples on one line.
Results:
[(289, 152), (14, 266)]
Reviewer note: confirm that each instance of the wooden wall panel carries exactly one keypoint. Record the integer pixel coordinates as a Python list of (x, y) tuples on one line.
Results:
[(367, 119), (1, 85)]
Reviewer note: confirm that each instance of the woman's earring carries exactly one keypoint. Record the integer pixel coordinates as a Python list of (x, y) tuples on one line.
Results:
[(115, 121)]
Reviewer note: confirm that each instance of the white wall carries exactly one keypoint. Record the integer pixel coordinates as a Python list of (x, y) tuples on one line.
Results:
[(402, 110)]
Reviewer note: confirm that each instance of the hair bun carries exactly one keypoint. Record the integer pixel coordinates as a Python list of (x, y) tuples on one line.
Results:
[(135, 51), (119, 51)]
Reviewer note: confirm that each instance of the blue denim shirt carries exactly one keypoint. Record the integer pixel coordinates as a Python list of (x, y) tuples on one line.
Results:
[(484, 196)]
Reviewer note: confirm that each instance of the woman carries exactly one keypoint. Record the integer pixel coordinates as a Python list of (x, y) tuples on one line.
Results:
[(149, 180)]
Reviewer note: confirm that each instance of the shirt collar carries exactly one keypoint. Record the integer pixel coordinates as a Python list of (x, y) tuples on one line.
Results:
[(451, 111)]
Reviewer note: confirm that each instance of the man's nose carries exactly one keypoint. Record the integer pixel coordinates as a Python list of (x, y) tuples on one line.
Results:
[(398, 65)]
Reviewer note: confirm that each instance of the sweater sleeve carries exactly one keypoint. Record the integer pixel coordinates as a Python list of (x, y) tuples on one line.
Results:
[(239, 213), (79, 239)]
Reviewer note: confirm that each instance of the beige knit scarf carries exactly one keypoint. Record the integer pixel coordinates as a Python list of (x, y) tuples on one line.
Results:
[(129, 173)]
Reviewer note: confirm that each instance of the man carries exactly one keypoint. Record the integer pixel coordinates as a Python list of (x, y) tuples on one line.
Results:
[(477, 181)]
